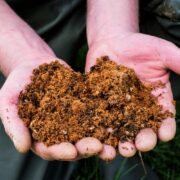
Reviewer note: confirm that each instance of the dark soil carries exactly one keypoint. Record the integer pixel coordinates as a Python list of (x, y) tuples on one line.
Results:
[(109, 103)]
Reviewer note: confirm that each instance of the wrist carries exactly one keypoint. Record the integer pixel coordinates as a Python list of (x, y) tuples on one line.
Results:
[(110, 40), (28, 60), (107, 19)]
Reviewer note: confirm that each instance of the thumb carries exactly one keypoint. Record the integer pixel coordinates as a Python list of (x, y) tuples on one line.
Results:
[(97, 51), (14, 126), (171, 56)]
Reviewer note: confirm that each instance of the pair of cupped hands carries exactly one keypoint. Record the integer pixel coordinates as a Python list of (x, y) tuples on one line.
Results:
[(150, 57)]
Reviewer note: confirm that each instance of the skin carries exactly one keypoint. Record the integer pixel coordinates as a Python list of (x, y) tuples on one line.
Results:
[(150, 57)]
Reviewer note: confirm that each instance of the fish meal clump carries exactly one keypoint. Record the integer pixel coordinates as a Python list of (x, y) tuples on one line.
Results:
[(109, 103)]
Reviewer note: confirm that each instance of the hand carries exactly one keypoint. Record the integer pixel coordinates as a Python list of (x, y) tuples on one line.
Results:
[(19, 133), (151, 58)]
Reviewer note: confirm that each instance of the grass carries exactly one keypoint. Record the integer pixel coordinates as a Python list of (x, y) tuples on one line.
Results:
[(164, 160)]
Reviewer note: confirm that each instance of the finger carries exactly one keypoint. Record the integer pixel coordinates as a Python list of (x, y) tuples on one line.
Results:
[(167, 129), (42, 151), (88, 146), (63, 151), (108, 153), (127, 149), (146, 140)]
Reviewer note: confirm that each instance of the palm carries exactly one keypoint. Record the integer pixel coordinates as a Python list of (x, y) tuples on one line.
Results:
[(149, 57), (19, 133)]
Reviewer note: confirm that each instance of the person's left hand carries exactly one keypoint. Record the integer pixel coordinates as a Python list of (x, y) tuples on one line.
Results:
[(151, 58)]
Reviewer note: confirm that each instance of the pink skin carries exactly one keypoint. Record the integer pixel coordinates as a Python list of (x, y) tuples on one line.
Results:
[(63, 151), (108, 153), (112, 29), (89, 146), (22, 50), (127, 149)]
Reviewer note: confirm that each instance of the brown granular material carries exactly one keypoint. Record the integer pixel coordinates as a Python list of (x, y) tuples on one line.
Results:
[(109, 103)]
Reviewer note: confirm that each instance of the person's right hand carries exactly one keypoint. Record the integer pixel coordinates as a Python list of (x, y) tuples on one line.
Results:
[(19, 133), (151, 58)]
